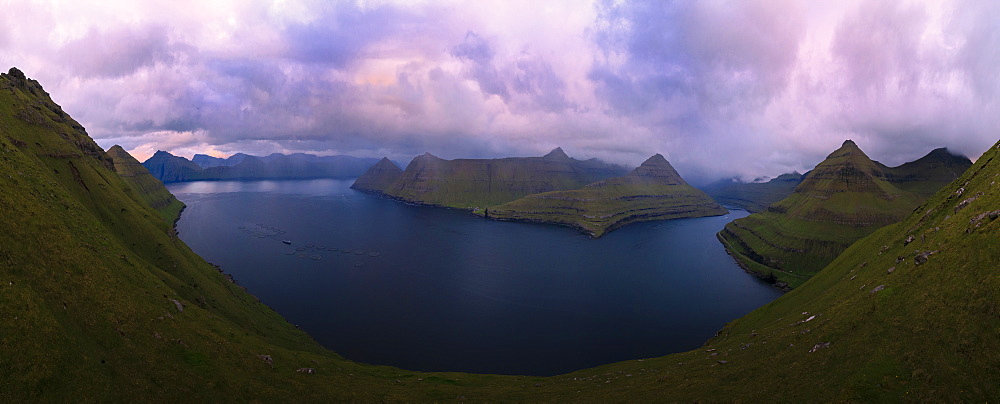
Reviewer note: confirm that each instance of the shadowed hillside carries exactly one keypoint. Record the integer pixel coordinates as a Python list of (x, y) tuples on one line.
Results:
[(846, 197)]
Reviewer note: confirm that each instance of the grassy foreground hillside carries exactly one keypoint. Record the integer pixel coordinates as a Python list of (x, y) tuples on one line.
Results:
[(846, 197), (653, 191), (100, 302)]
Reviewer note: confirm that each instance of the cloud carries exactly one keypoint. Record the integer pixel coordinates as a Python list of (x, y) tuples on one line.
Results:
[(117, 53), (763, 87)]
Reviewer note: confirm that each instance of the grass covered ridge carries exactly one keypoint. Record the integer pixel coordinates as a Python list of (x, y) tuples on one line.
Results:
[(846, 197), (653, 191)]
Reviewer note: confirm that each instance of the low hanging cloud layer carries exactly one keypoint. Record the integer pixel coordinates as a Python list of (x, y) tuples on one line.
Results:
[(743, 88)]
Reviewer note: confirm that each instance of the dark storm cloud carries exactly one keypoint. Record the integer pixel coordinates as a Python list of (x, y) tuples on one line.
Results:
[(342, 31), (746, 88), (117, 52), (702, 53)]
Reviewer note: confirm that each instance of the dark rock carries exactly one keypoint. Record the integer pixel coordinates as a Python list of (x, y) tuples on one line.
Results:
[(267, 359), (306, 370), (889, 271), (819, 346), (922, 257), (909, 239), (976, 221), (179, 305), (17, 78)]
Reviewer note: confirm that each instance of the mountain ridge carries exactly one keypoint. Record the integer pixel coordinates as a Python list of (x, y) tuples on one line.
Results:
[(651, 191), (169, 168), (478, 183), (844, 198)]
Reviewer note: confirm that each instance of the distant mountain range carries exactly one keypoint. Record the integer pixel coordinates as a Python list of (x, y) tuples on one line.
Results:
[(846, 197), (589, 195), (753, 196), (169, 168)]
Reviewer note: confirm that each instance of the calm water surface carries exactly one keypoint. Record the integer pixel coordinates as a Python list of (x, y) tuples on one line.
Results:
[(434, 289)]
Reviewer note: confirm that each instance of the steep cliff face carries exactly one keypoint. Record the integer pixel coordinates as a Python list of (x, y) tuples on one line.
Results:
[(167, 167), (206, 161), (652, 191), (144, 185), (471, 183), (754, 196), (378, 178), (846, 197)]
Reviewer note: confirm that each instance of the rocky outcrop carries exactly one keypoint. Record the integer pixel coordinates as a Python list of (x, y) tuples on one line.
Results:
[(652, 191)]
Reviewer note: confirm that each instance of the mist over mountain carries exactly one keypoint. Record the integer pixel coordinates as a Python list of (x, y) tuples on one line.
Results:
[(753, 196)]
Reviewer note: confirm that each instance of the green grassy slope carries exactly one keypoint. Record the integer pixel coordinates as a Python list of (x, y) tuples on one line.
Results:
[(653, 191), (846, 197), (93, 283), (472, 183), (144, 185), (755, 196), (909, 313)]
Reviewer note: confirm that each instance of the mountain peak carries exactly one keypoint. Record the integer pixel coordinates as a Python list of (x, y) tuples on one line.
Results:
[(655, 160), (556, 153), (659, 169), (386, 164), (847, 169), (161, 154)]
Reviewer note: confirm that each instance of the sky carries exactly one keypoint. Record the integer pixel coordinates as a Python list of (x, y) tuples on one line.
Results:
[(721, 88)]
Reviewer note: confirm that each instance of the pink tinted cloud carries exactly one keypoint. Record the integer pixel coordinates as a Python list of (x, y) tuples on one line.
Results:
[(766, 87)]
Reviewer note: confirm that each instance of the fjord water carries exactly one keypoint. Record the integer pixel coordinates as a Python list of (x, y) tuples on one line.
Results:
[(437, 289)]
